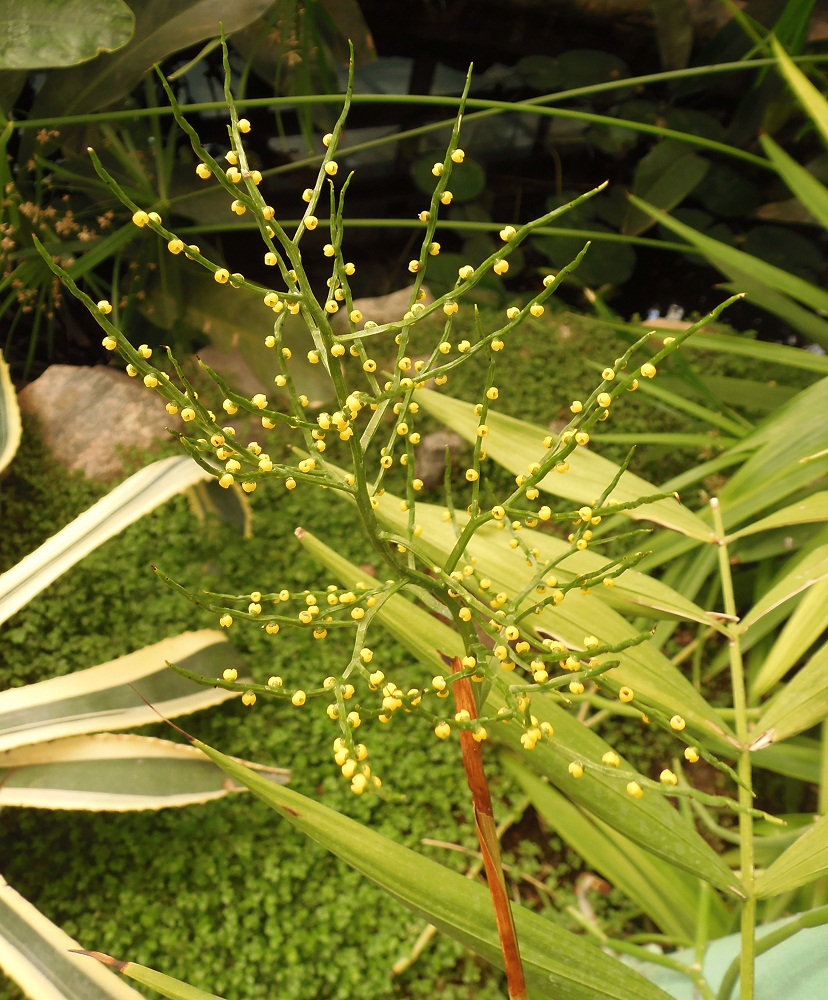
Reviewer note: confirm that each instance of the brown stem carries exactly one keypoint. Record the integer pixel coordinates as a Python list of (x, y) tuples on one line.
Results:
[(487, 835)]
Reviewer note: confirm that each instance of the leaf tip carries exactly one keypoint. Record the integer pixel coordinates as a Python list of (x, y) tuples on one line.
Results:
[(108, 960)]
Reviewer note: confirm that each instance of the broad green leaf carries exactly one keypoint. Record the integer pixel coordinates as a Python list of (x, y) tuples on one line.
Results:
[(515, 444), (813, 508), (664, 177), (650, 822), (669, 897), (805, 573), (801, 863), (556, 963), (808, 96), (40, 34), (114, 772), (735, 262), (806, 188), (173, 989), (37, 955), (135, 497), (10, 427), (161, 28), (643, 668), (807, 623), (107, 696), (801, 703)]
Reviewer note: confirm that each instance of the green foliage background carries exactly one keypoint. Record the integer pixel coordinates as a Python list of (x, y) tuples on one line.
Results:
[(226, 895)]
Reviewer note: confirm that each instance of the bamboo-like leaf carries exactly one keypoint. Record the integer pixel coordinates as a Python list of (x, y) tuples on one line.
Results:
[(650, 822), (114, 772), (807, 623), (556, 963), (102, 698), (10, 426), (812, 508), (780, 463), (804, 861), (805, 187), (799, 757), (801, 703), (668, 896), (643, 668), (736, 262), (760, 350), (136, 496), (37, 955), (515, 444), (807, 571), (806, 93), (173, 989), (634, 593)]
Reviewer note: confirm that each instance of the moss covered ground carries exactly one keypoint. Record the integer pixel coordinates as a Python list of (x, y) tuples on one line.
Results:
[(227, 895)]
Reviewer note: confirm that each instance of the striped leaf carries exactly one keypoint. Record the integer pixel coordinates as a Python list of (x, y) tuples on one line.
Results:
[(113, 772), (136, 496), (37, 955), (107, 696)]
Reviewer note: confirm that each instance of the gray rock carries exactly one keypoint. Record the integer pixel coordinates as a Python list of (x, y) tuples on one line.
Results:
[(430, 464), (87, 414), (382, 309)]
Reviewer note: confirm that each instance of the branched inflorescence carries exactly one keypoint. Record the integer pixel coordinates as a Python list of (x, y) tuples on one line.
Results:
[(372, 428)]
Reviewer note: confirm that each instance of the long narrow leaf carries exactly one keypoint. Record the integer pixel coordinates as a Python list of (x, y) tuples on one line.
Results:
[(102, 697), (135, 497), (515, 444), (802, 703), (801, 863), (735, 262), (668, 896), (173, 989), (807, 94), (804, 186), (37, 955), (807, 572), (113, 772), (556, 963), (813, 508), (807, 623)]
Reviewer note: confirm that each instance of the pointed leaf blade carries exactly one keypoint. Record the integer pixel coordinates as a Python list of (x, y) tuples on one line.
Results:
[(514, 444), (37, 955), (136, 496), (173, 989), (556, 962), (113, 772), (101, 698), (803, 862)]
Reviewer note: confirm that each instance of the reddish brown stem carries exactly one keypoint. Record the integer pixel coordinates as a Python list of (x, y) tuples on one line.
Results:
[(487, 836)]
